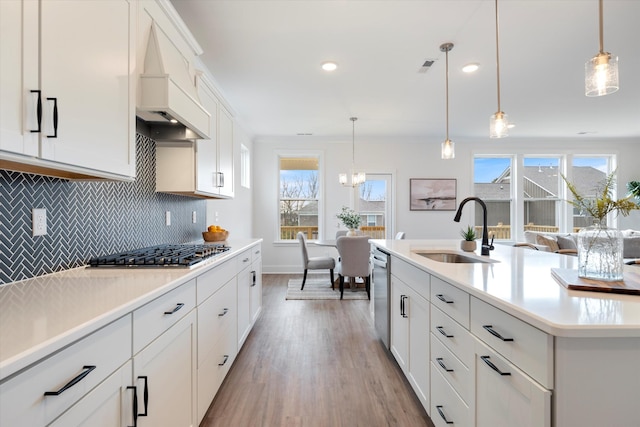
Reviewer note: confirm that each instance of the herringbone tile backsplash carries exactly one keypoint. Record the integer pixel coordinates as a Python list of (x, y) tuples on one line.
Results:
[(88, 218)]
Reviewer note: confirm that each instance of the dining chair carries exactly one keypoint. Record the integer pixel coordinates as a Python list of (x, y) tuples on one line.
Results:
[(314, 263), (400, 235), (340, 233), (354, 261)]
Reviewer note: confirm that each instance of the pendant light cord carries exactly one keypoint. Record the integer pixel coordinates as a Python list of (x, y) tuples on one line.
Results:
[(498, 57), (447, 89), (353, 141), (601, 27)]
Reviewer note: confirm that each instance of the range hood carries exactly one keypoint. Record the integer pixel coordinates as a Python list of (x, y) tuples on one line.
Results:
[(168, 99)]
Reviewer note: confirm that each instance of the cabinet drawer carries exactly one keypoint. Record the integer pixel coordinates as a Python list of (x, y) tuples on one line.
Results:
[(256, 253), (216, 318), (505, 396), (415, 278), (527, 347), (452, 335), (152, 319), (453, 301), (243, 260), (447, 408), (208, 283), (452, 369), (22, 398)]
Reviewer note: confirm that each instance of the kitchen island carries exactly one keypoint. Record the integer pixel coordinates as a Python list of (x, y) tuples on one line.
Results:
[(508, 344), (84, 342)]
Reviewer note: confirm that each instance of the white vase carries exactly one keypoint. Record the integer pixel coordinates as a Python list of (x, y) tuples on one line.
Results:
[(600, 253), (468, 245), (352, 232)]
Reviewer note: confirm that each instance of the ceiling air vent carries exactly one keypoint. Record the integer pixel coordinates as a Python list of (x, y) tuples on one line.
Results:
[(427, 64)]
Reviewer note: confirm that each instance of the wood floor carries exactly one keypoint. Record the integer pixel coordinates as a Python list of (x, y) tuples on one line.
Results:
[(314, 363)]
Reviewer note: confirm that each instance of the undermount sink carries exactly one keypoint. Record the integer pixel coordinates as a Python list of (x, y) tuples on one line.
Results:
[(452, 258)]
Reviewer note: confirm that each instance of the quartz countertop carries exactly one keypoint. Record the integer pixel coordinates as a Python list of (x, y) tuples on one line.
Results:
[(42, 315), (519, 282)]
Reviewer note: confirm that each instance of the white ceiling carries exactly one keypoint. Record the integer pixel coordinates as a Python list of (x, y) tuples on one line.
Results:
[(266, 57)]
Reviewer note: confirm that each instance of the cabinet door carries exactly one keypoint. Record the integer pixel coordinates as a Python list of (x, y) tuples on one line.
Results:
[(399, 323), (256, 289), (505, 396), (207, 149), (165, 370), (18, 76), (244, 305), (108, 405), (225, 151), (418, 311), (86, 73)]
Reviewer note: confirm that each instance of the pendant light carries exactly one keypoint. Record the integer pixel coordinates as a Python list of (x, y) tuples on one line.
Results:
[(357, 178), (448, 147), (499, 122), (601, 71)]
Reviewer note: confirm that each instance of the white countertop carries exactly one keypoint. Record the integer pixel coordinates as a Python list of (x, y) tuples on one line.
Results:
[(41, 315), (520, 283)]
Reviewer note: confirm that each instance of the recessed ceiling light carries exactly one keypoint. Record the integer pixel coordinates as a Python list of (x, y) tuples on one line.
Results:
[(329, 66), (470, 68)]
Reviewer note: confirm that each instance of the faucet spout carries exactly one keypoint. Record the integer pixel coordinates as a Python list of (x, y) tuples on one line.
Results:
[(485, 247)]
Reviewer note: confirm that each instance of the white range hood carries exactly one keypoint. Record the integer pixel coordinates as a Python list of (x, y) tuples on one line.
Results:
[(168, 93)]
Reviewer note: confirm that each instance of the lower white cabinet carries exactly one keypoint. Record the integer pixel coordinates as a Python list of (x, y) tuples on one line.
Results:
[(505, 396), (164, 375), (108, 405), (255, 288), (447, 407), (245, 280), (410, 336)]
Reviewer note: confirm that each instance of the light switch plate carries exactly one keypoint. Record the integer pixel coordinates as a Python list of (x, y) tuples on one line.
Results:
[(167, 218)]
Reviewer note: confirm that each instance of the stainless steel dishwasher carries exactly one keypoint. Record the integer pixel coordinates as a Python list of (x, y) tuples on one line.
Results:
[(381, 293)]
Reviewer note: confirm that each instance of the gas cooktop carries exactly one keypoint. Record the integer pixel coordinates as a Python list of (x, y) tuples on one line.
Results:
[(162, 256)]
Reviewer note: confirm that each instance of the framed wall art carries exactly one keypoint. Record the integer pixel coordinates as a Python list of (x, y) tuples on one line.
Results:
[(427, 194)]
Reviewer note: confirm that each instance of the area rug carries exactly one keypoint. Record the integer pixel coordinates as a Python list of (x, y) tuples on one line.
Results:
[(321, 289)]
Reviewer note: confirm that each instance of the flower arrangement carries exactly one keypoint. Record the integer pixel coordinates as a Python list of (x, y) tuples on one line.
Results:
[(349, 218), (600, 206), (469, 234)]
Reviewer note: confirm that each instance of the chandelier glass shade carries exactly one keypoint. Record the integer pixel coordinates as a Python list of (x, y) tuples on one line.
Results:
[(601, 71), (357, 177), (448, 150)]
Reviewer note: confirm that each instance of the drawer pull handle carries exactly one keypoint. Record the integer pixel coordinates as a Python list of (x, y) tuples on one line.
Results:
[(85, 371), (178, 307), (245, 260), (439, 408), (441, 363), (135, 405), (253, 278), (145, 395), (486, 360), (443, 299), (224, 311), (441, 330), (224, 362), (403, 307), (55, 117), (489, 328), (38, 111)]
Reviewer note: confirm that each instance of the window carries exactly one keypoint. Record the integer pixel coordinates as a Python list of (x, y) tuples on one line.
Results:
[(541, 188), (587, 173), (492, 183), (245, 167), (374, 205), (299, 196)]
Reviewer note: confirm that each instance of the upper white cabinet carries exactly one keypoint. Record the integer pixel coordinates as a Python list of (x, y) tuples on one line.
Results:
[(66, 78), (203, 168)]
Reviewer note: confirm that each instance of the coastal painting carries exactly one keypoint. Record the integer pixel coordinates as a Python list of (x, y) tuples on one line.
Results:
[(428, 194)]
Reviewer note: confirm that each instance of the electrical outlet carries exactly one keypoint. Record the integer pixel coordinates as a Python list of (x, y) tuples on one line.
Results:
[(167, 218), (39, 220), (216, 217), (193, 217)]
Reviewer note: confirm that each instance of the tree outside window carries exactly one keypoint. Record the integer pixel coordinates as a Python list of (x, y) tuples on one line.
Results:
[(298, 197)]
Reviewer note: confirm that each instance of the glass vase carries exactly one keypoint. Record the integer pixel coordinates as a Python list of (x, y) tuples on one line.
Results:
[(600, 253)]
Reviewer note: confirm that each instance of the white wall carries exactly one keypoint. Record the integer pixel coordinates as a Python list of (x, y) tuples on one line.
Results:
[(405, 159)]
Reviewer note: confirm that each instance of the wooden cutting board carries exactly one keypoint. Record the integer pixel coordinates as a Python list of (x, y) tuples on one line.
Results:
[(568, 278)]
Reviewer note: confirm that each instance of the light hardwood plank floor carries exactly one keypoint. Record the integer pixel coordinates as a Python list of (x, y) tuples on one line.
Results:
[(314, 363)]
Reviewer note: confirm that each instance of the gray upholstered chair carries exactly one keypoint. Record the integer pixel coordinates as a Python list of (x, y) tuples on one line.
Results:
[(354, 260), (314, 263), (341, 233), (400, 235)]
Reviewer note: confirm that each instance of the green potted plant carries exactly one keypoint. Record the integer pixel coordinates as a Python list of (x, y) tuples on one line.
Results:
[(469, 236), (634, 189), (600, 247), (351, 219)]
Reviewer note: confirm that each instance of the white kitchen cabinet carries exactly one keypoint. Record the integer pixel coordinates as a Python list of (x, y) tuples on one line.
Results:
[(40, 394), (410, 336), (245, 281), (217, 339), (108, 405), (204, 167), (165, 372), (506, 396), (76, 59), (255, 291)]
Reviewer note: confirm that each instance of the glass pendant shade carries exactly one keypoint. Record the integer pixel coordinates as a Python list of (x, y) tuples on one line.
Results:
[(357, 178), (448, 151), (499, 125), (601, 75)]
